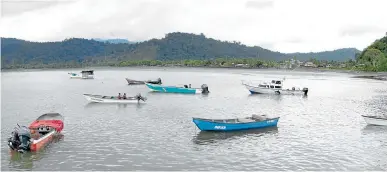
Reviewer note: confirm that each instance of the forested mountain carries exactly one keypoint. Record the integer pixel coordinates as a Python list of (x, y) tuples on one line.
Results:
[(335, 55), (374, 57), (174, 46)]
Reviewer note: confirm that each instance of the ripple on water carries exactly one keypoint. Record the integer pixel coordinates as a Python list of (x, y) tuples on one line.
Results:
[(322, 131)]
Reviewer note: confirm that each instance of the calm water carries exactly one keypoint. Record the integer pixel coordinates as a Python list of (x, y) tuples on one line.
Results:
[(324, 131)]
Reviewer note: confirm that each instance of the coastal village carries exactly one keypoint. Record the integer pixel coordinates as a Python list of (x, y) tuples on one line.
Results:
[(293, 64)]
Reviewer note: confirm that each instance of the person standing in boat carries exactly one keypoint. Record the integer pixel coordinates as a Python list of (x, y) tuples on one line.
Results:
[(124, 97)]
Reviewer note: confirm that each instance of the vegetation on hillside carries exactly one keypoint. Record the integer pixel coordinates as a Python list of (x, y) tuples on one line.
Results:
[(374, 57), (174, 47)]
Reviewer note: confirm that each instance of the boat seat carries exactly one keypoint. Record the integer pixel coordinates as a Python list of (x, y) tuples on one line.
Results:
[(259, 117), (245, 120)]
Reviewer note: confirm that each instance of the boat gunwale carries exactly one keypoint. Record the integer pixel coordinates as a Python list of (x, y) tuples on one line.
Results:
[(210, 120), (163, 86), (96, 96)]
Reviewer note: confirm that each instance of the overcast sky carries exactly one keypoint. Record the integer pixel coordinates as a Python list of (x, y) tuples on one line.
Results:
[(280, 25)]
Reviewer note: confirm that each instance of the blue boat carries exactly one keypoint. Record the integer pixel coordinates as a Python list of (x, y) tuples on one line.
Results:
[(235, 124), (175, 89)]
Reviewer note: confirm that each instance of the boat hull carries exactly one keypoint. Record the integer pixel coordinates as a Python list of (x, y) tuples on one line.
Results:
[(99, 99), (42, 142), (77, 76), (372, 120), (134, 82), (206, 125), (173, 89), (39, 134), (257, 90)]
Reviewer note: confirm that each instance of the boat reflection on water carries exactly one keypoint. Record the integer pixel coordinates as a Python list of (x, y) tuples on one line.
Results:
[(374, 129), (208, 137), (93, 104), (25, 161)]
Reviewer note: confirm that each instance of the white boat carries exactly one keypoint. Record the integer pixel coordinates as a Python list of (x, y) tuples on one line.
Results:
[(87, 74), (375, 120), (113, 99), (276, 87)]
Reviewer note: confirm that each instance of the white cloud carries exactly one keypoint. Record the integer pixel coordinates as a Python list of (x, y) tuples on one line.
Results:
[(280, 25)]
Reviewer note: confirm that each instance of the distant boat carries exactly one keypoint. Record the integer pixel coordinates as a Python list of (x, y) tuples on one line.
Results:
[(114, 99), (39, 134), (236, 123), (136, 82), (274, 87), (375, 120), (174, 89), (87, 74)]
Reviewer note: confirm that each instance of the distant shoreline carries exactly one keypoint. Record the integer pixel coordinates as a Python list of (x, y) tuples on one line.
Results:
[(360, 74)]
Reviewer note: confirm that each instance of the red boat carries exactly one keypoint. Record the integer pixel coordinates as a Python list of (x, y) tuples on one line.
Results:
[(40, 133)]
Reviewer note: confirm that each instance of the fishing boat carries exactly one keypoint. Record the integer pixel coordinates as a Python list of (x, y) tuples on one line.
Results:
[(375, 120), (274, 87), (114, 99), (175, 89), (86, 74), (39, 134), (253, 122), (136, 82)]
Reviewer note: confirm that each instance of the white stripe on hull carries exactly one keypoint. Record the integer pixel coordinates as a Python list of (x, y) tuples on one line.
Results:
[(100, 100), (44, 137), (373, 121)]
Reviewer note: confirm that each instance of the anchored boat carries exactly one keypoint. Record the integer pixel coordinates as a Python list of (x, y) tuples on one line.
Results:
[(135, 82), (175, 89), (86, 74), (39, 134), (252, 122), (114, 99), (275, 86), (375, 120)]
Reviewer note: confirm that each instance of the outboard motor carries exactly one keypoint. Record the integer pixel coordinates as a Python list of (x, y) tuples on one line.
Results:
[(20, 140), (305, 90), (205, 89), (13, 141), (24, 137), (159, 81)]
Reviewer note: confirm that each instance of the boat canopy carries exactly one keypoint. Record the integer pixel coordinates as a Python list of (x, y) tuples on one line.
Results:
[(50, 116), (276, 82), (88, 71)]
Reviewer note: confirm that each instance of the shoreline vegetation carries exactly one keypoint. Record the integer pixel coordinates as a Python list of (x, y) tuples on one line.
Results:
[(244, 63), (349, 66)]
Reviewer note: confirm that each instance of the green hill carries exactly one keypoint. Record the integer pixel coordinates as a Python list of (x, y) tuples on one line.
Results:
[(174, 46), (374, 57)]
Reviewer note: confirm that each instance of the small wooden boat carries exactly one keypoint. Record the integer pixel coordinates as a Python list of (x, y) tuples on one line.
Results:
[(175, 89), (274, 87), (39, 134), (375, 120), (135, 82), (86, 74), (113, 99), (235, 124)]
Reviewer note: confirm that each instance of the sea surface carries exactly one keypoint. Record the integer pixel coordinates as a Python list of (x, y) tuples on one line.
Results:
[(322, 131)]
